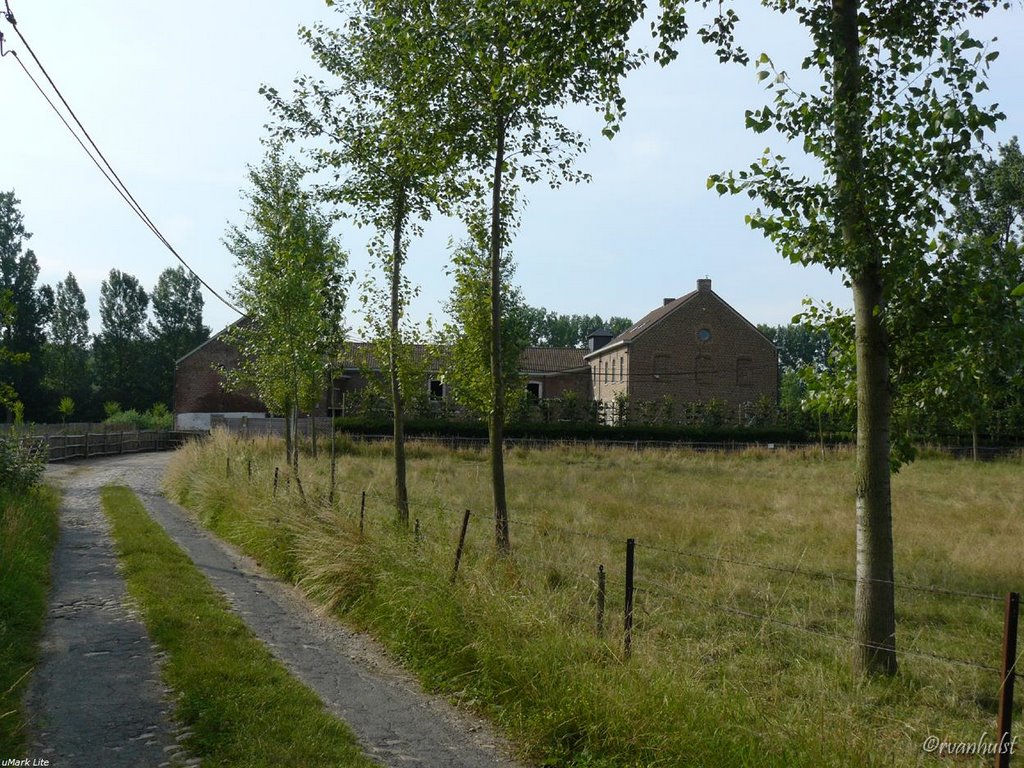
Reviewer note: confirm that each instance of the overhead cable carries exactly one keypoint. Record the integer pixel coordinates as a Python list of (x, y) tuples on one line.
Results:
[(102, 163)]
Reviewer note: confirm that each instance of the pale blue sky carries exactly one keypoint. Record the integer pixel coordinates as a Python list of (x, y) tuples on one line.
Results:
[(169, 92)]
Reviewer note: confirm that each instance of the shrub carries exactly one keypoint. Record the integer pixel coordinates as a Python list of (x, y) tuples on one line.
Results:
[(157, 417), (21, 463)]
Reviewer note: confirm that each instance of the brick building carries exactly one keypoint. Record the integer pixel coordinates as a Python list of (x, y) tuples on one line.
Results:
[(692, 349)]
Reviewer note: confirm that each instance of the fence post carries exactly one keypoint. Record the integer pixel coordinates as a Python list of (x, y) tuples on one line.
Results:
[(600, 600), (416, 531), (1004, 727), (362, 512), (248, 467), (227, 467), (86, 444), (627, 639), (120, 445), (462, 544), (275, 480)]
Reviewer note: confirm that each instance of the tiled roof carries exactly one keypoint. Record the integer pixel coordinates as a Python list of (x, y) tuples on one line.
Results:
[(551, 359)]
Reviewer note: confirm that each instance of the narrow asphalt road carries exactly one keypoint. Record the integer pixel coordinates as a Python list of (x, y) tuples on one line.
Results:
[(396, 722)]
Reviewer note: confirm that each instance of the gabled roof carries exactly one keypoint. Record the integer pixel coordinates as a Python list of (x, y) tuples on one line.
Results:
[(214, 337), (652, 318)]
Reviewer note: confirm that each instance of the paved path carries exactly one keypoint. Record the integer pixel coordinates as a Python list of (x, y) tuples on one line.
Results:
[(396, 722), (95, 698)]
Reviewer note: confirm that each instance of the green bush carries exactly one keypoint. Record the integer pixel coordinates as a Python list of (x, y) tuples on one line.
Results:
[(578, 431), (21, 464), (157, 417)]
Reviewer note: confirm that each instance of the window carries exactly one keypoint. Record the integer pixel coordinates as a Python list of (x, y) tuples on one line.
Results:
[(604, 371), (704, 334), (613, 369), (622, 368), (743, 372), (533, 390), (436, 389), (702, 370)]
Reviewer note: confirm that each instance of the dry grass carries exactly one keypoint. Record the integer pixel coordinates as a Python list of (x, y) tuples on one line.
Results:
[(705, 686)]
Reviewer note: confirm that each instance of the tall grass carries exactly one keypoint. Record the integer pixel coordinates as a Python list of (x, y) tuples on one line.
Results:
[(28, 533), (718, 675)]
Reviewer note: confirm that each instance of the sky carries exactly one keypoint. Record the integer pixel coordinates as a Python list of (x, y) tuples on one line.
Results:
[(169, 92)]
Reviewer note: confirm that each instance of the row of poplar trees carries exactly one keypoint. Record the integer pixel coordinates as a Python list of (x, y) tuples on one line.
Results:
[(53, 369), (453, 106)]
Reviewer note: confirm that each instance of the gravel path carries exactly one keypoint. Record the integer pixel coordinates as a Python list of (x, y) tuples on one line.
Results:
[(396, 722)]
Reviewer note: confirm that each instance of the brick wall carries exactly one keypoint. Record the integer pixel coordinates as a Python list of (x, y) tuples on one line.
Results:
[(701, 351), (198, 386)]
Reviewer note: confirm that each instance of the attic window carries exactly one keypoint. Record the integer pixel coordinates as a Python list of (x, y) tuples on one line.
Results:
[(704, 334), (436, 389)]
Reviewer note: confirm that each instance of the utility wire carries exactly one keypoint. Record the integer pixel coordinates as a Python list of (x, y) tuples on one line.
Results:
[(813, 631), (118, 185), (824, 575)]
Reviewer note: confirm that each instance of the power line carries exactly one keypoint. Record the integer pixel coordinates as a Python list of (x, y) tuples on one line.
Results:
[(108, 172)]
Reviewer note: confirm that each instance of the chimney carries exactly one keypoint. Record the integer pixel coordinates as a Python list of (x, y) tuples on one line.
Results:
[(667, 301), (704, 285), (599, 338)]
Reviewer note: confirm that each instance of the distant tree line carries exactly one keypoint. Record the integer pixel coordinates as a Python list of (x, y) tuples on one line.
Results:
[(53, 369)]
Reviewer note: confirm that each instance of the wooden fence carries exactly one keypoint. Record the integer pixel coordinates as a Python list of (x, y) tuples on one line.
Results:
[(93, 444)]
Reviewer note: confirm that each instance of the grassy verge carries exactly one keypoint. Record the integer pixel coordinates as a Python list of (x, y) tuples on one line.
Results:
[(28, 533), (241, 705), (706, 685)]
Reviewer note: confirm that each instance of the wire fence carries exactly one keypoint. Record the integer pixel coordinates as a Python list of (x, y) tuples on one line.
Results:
[(664, 563), (668, 593)]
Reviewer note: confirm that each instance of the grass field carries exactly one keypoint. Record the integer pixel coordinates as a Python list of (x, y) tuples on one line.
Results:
[(732, 664), (28, 533), (240, 705)]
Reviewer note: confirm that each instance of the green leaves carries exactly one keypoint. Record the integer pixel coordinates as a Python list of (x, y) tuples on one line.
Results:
[(292, 287)]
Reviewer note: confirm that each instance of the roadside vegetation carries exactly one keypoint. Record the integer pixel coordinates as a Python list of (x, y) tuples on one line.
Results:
[(28, 533), (732, 664), (240, 705)]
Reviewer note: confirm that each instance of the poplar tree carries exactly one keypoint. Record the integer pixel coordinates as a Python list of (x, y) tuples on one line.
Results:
[(292, 288), (893, 127), (68, 349), (26, 309), (177, 326), (389, 151), (510, 67), (120, 347)]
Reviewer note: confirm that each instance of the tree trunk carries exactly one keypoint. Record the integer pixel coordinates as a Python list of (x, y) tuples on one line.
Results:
[(296, 440), (974, 437), (496, 426), (874, 603), (288, 437), (334, 442), (875, 611), (398, 405)]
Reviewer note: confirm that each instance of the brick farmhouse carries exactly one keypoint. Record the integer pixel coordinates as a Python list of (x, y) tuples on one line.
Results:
[(693, 349)]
